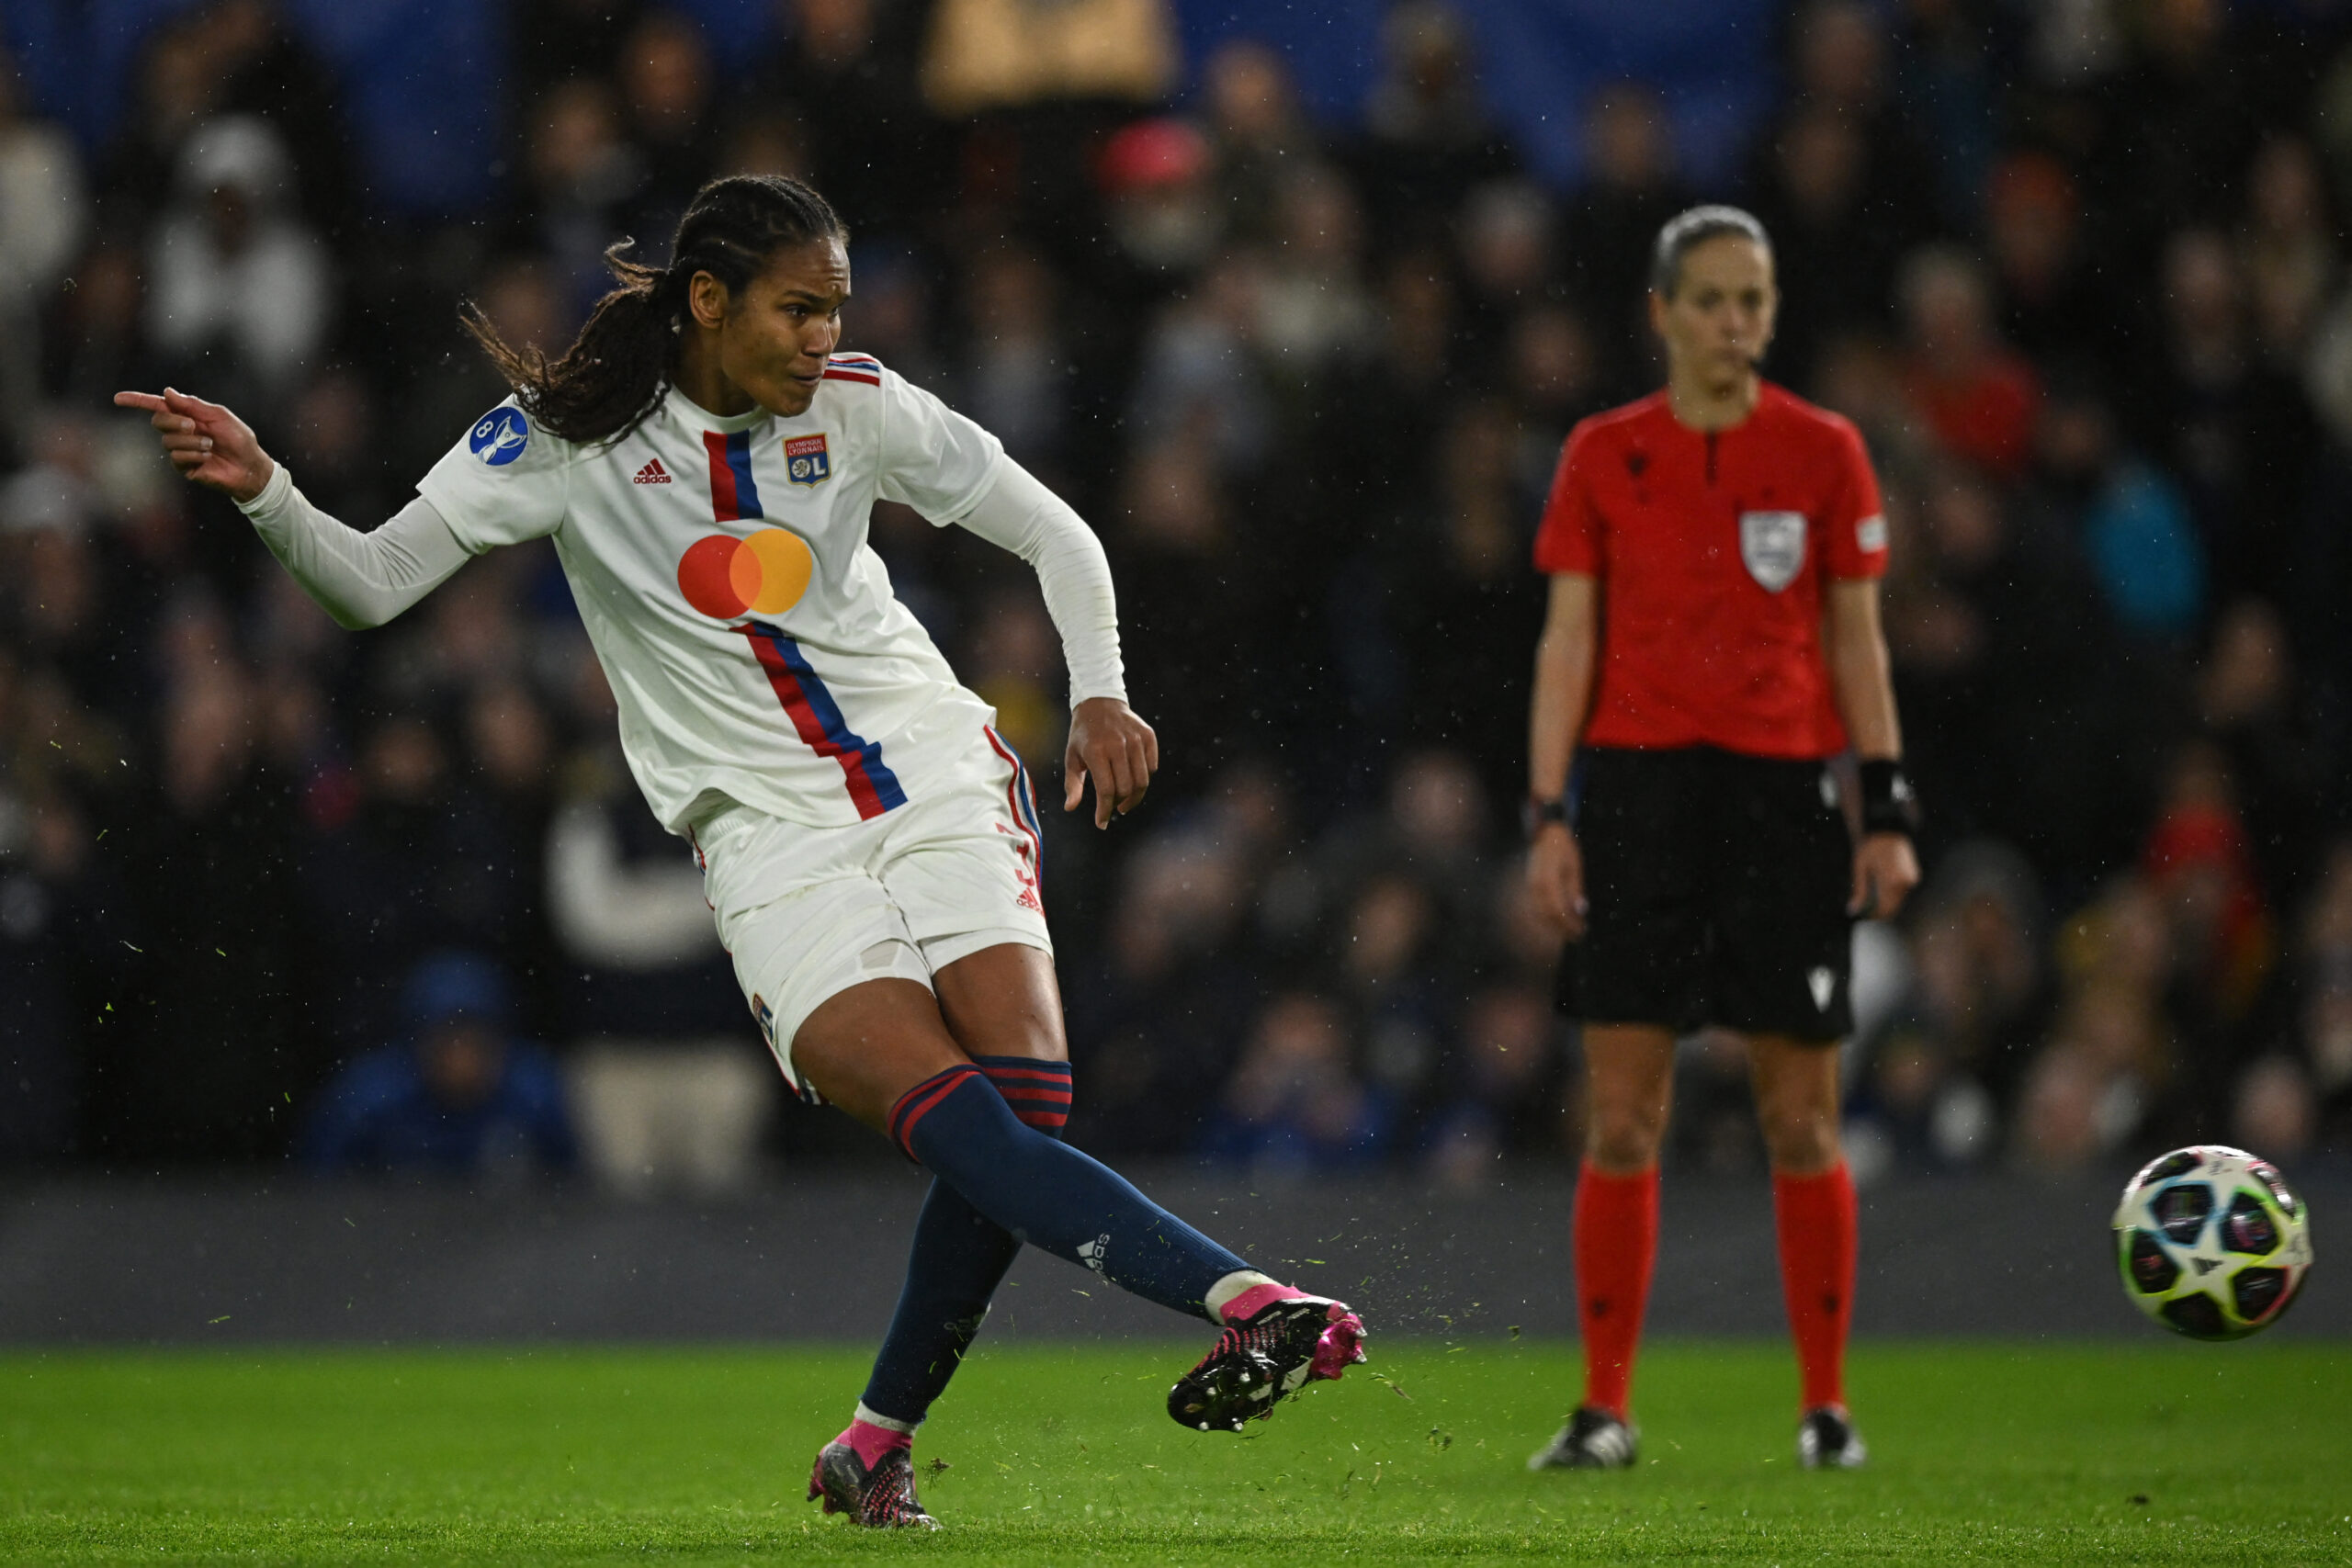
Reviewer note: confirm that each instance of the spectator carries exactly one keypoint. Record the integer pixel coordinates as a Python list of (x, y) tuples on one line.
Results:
[(1256, 131), (1631, 189), (672, 1094), (2053, 302), (42, 212), (460, 1099), (1016, 371), (2246, 701), (2126, 515), (242, 291), (222, 938), (1934, 1076), (2236, 429), (2286, 247), (582, 178), (1294, 1103), (848, 67), (57, 908), (1428, 133), (666, 90), (1970, 388), (2320, 1030), (1507, 1089), (1164, 215)]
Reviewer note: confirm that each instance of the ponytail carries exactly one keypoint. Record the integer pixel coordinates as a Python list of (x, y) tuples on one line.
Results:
[(617, 371)]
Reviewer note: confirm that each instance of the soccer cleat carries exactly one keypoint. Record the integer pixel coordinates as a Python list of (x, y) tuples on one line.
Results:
[(1826, 1440), (1265, 1358), (1593, 1439), (881, 1498)]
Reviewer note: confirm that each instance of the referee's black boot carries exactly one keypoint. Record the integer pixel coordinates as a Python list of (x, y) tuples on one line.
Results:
[(1826, 1440), (1593, 1439)]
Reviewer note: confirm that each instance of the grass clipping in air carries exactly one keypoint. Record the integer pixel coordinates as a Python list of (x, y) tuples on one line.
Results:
[(2151, 1453)]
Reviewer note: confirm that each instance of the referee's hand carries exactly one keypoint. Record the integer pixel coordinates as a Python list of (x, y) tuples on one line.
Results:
[(1555, 872), (1885, 870), (1109, 744)]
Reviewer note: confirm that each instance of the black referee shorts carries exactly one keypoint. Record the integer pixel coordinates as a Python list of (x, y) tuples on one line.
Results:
[(1718, 886)]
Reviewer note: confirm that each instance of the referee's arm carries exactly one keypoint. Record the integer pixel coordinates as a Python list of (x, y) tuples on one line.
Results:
[(1885, 869), (1555, 717)]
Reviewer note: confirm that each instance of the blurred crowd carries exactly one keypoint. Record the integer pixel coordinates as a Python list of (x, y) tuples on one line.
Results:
[(2077, 269)]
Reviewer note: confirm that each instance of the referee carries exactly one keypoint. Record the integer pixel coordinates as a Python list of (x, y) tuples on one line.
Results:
[(1711, 642)]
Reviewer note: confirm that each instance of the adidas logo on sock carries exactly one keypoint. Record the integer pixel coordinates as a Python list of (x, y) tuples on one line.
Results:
[(653, 473)]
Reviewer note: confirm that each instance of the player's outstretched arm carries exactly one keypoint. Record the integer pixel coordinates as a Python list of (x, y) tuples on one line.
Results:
[(205, 441), (361, 580)]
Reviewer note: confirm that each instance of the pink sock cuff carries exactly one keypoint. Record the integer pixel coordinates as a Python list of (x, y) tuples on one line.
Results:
[(872, 1441), (1258, 1297)]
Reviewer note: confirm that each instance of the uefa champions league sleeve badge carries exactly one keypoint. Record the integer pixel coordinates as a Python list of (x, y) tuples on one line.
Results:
[(500, 436), (806, 461)]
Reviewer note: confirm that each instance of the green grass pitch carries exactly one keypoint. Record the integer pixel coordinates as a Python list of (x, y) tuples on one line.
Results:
[(2153, 1452)]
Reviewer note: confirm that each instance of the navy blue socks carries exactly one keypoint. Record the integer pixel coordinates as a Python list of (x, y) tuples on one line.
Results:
[(1052, 1195), (958, 1258)]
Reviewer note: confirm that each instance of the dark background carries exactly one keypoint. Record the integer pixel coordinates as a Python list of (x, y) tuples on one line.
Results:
[(1297, 309)]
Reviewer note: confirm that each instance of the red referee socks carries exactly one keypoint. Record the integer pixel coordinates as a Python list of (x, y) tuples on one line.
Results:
[(1615, 1231), (1820, 1226)]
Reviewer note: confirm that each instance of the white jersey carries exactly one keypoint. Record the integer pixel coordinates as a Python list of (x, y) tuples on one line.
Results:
[(721, 567)]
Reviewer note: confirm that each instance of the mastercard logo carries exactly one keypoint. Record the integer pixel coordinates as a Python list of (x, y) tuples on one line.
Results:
[(725, 576)]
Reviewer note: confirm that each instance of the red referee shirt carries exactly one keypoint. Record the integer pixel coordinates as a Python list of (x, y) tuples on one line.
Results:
[(1712, 553)]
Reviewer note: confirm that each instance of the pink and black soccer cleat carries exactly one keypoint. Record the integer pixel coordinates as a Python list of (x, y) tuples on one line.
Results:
[(879, 1498), (1263, 1359)]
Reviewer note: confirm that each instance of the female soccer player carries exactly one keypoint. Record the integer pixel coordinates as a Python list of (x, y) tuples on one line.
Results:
[(1712, 640), (706, 465)]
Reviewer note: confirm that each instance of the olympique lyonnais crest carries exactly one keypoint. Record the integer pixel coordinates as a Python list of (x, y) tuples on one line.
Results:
[(1772, 544), (806, 461)]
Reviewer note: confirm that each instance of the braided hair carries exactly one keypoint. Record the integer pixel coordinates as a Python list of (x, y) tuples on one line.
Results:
[(617, 370)]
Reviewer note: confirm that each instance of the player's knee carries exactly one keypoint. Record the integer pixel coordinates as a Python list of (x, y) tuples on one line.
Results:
[(1624, 1137), (1799, 1139)]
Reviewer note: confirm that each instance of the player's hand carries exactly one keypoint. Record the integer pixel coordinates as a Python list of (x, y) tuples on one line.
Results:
[(1109, 744), (1555, 871), (205, 441), (1885, 870)]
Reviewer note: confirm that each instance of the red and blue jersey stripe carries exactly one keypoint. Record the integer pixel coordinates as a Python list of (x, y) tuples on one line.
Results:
[(818, 720), (854, 368), (816, 717), (734, 494)]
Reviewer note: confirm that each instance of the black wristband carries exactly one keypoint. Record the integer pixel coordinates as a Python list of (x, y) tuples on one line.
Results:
[(1535, 813), (1889, 803)]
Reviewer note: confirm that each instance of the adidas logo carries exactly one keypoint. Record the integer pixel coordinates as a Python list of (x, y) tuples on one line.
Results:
[(653, 473), (1824, 985)]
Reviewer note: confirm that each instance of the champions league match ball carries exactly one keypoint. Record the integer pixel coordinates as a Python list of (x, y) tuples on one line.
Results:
[(2211, 1242)]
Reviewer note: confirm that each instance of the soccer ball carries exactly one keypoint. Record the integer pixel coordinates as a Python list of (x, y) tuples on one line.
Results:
[(2211, 1243)]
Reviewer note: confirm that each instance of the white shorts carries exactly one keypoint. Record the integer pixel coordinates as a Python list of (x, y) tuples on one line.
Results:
[(809, 912)]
